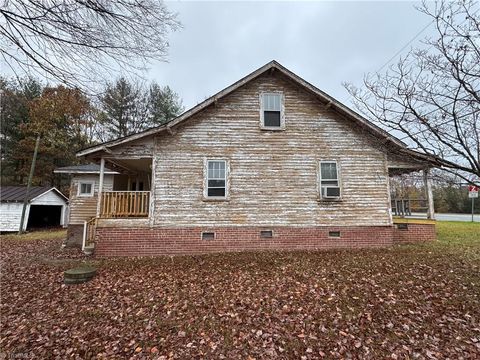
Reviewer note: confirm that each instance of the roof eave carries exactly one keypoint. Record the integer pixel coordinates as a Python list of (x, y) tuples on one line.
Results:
[(84, 172), (45, 192)]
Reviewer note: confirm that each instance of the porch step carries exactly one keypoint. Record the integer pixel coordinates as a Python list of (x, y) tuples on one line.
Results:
[(88, 250)]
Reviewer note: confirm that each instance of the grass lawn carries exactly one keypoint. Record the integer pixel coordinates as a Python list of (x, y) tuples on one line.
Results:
[(411, 301)]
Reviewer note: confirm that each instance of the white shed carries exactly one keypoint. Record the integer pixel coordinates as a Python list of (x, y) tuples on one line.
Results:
[(46, 207)]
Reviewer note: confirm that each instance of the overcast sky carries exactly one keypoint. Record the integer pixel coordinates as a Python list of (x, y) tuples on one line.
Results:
[(326, 43)]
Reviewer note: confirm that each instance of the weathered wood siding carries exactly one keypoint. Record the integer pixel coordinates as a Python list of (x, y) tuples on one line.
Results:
[(83, 208), (399, 162), (135, 149), (11, 215), (273, 174)]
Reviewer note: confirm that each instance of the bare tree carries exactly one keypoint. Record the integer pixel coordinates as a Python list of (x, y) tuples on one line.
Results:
[(431, 98), (77, 42)]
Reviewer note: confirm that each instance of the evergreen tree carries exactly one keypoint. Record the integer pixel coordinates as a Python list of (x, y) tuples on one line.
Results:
[(123, 110), (164, 104), (128, 108)]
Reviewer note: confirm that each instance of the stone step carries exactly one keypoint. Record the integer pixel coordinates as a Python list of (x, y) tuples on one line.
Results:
[(88, 250)]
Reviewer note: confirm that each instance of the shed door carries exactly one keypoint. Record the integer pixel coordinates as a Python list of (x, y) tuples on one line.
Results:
[(44, 216)]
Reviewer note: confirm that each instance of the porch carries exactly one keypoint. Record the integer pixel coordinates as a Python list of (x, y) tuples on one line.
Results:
[(129, 195), (122, 197), (411, 195)]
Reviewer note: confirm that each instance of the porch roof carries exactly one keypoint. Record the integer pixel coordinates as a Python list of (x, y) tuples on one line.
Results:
[(83, 169)]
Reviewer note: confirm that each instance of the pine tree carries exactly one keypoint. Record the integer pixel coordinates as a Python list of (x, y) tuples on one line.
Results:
[(164, 104)]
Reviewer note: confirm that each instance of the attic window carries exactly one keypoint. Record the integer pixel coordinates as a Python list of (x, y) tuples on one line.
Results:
[(271, 111)]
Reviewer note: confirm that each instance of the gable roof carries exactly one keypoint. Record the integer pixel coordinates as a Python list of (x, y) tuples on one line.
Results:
[(17, 193), (328, 100), (82, 169)]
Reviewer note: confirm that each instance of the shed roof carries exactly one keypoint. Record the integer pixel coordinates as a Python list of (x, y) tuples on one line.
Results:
[(17, 193), (82, 169)]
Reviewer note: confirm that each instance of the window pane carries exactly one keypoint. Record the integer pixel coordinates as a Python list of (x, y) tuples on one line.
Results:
[(85, 188), (216, 169), (216, 183), (271, 118), (276, 103), (216, 192), (329, 171), (271, 102)]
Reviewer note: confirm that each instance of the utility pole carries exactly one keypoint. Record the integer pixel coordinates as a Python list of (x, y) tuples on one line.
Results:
[(473, 206), (29, 184)]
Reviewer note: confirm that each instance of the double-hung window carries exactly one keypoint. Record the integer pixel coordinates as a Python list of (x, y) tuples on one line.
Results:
[(271, 111), (85, 188), (216, 181), (329, 180)]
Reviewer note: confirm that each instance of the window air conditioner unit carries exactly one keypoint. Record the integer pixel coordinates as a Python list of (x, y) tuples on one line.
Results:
[(331, 192)]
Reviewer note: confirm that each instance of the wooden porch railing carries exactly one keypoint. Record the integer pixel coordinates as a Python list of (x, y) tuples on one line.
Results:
[(89, 233), (121, 204), (405, 207)]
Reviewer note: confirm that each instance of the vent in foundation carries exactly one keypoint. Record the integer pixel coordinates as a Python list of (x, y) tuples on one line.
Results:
[(266, 233), (206, 235), (334, 233), (402, 226)]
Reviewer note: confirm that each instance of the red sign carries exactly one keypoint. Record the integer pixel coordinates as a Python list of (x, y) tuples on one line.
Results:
[(472, 188)]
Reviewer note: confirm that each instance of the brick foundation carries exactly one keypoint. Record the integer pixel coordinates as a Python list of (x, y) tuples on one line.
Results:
[(405, 233), (74, 236), (112, 241)]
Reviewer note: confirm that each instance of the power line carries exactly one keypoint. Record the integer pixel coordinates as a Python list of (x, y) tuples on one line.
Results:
[(405, 46), (399, 51)]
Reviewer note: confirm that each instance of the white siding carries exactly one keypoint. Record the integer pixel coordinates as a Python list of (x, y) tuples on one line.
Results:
[(10, 216), (83, 208), (49, 198)]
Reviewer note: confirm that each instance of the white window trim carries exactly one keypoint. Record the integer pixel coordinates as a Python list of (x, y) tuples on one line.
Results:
[(205, 180), (79, 187), (339, 179), (282, 111)]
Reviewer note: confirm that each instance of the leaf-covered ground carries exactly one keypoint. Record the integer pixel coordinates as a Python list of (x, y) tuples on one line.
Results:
[(420, 301)]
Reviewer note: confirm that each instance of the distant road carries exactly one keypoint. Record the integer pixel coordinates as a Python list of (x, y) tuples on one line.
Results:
[(450, 217)]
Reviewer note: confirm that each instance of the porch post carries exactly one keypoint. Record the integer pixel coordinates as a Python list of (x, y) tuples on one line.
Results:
[(100, 185), (428, 192)]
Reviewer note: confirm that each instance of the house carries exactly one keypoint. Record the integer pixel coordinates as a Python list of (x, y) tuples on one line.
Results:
[(46, 207), (270, 162), (83, 196)]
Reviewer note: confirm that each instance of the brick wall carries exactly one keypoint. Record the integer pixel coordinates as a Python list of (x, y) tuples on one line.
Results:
[(113, 241), (413, 233)]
